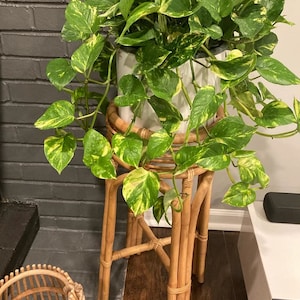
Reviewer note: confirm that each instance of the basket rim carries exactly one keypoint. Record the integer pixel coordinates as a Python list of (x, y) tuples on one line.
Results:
[(67, 284)]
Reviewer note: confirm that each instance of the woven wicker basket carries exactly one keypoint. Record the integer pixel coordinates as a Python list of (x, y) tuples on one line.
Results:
[(40, 282)]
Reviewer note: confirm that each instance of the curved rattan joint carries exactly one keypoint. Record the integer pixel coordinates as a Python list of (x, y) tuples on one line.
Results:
[(179, 290)]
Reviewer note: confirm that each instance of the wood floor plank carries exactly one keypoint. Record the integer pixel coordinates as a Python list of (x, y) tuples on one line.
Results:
[(217, 284), (147, 278), (231, 240)]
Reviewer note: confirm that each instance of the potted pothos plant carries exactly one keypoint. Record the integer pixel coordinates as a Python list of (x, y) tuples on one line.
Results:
[(162, 35)]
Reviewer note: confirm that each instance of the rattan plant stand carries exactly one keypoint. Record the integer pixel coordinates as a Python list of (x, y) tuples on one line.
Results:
[(40, 282), (189, 233)]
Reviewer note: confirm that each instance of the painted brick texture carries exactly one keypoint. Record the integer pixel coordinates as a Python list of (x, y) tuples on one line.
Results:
[(29, 38)]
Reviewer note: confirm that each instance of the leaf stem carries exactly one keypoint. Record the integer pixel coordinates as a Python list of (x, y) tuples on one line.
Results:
[(68, 90), (86, 116), (209, 54), (230, 175)]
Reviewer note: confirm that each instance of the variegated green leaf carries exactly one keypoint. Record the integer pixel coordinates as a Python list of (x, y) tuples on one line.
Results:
[(176, 9), (204, 106), (137, 38), (103, 169), (151, 56), (128, 148), (144, 9), (253, 88), (243, 153), (233, 54), (164, 83), (183, 48), (214, 31), (169, 116), (251, 21), (252, 171), (60, 72), (214, 157), (274, 71), (125, 6), (159, 143), (102, 5), (98, 155), (265, 93), (169, 197), (85, 56), (276, 113), (71, 34), (234, 69), (201, 24), (59, 150), (95, 145), (245, 103), (212, 6), (82, 21), (59, 114), (233, 132), (274, 8), (158, 209), (108, 9), (239, 195), (266, 45), (132, 89), (140, 190), (186, 157), (297, 112)]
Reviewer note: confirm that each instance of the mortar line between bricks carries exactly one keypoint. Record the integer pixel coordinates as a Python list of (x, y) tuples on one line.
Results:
[(30, 32), (33, 182)]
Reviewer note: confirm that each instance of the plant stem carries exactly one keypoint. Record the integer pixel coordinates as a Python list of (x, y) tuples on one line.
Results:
[(193, 76), (98, 82), (106, 89), (209, 54), (86, 116), (246, 110), (230, 175), (279, 135), (179, 198), (184, 90), (68, 90)]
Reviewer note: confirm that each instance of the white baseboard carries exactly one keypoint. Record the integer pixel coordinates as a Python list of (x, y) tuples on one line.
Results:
[(226, 219), (220, 219)]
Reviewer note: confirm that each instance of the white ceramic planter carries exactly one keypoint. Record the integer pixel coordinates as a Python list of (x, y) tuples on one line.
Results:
[(148, 119)]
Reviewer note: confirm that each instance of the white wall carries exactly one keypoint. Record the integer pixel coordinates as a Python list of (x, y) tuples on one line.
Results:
[(280, 157)]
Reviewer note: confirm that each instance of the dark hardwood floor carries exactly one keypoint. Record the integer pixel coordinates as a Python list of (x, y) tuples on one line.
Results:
[(147, 278)]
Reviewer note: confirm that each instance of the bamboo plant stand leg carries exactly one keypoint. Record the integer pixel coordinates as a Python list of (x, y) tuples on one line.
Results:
[(188, 225), (108, 235), (184, 226), (200, 247), (134, 232)]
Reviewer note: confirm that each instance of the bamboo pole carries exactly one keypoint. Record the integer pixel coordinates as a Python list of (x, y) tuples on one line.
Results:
[(184, 235), (108, 235), (202, 231)]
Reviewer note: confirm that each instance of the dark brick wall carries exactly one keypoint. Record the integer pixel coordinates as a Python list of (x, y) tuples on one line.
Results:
[(29, 38)]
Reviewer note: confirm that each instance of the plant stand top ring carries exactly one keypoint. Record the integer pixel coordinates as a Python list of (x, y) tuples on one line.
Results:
[(165, 163)]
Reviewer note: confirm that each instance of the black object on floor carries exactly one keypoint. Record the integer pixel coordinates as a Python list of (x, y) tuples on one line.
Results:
[(282, 207), (19, 224)]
